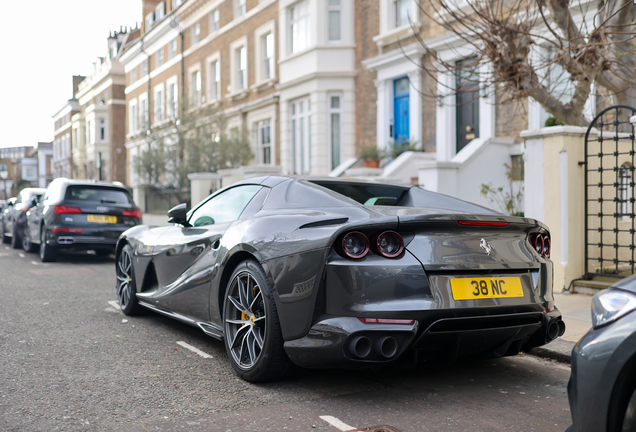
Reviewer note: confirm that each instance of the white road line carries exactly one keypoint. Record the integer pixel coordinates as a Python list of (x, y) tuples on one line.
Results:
[(115, 304), (337, 423), (21, 255), (193, 349)]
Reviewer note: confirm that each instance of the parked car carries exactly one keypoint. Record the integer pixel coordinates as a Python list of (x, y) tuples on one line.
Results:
[(8, 203), (78, 215), (324, 273), (602, 387), (14, 219)]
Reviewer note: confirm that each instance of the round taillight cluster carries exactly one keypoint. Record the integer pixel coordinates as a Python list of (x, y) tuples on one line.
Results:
[(389, 244), (541, 244), (355, 245)]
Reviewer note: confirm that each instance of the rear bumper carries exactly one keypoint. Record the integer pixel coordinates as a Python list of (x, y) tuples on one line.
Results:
[(333, 341), (88, 238)]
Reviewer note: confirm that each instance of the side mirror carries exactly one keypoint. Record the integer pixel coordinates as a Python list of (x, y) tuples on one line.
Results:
[(178, 215), (34, 201)]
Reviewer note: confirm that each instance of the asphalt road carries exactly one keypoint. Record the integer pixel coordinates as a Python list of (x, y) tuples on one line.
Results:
[(71, 361)]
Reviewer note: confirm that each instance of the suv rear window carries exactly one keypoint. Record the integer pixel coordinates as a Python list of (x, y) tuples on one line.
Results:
[(100, 195)]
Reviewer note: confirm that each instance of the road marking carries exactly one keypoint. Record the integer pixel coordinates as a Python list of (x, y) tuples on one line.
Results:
[(21, 255), (193, 349), (115, 304), (337, 423)]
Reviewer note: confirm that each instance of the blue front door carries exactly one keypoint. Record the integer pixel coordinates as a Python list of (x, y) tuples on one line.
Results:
[(401, 111)]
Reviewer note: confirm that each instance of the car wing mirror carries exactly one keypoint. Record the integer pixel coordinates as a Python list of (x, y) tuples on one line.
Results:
[(178, 215)]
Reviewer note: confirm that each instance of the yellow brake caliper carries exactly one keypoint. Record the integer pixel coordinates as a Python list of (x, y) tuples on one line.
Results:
[(244, 316)]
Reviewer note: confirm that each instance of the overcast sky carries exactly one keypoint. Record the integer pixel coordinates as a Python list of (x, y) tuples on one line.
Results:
[(46, 42)]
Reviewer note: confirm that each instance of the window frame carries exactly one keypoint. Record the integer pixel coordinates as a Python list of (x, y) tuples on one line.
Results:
[(172, 49), (133, 127), (159, 104), (334, 8), (195, 34), (235, 48), (302, 19), (102, 129), (260, 50), (159, 58), (260, 146), (240, 8), (214, 68), (330, 112), (172, 105), (215, 20), (300, 129)]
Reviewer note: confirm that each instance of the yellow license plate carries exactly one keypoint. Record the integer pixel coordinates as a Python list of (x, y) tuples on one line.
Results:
[(101, 218), (490, 287)]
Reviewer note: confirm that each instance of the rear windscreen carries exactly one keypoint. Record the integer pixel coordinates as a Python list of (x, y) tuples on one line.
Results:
[(366, 194), (100, 195)]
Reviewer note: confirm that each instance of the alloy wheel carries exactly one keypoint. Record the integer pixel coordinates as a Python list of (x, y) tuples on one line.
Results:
[(245, 323), (26, 239), (124, 278), (42, 243)]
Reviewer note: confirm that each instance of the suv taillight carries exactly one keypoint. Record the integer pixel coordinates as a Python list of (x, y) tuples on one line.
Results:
[(133, 213), (58, 209)]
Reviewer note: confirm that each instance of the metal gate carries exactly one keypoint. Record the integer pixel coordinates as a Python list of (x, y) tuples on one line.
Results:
[(610, 158)]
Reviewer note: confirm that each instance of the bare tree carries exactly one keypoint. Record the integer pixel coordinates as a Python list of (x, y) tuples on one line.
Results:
[(195, 142), (580, 42)]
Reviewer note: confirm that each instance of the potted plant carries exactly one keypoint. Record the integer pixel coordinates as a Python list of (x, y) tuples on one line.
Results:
[(370, 155)]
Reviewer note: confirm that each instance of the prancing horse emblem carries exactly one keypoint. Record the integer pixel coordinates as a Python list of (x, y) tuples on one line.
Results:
[(485, 246)]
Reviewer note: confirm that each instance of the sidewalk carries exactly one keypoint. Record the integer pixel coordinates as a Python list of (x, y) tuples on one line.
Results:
[(576, 310)]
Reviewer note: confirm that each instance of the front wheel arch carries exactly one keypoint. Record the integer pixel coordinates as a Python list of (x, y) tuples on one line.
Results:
[(624, 387), (228, 269)]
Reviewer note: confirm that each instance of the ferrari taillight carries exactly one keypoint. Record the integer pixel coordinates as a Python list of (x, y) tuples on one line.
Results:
[(355, 245), (541, 244), (390, 244)]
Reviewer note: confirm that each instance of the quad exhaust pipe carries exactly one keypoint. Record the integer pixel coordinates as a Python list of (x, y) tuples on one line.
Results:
[(555, 329), (360, 346), (384, 347)]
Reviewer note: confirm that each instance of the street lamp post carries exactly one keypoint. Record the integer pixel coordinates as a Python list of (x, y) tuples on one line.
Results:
[(4, 173)]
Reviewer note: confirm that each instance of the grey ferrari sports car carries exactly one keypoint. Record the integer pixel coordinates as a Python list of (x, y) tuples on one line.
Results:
[(324, 272)]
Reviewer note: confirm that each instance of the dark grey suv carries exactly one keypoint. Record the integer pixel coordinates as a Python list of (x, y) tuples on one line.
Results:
[(76, 215)]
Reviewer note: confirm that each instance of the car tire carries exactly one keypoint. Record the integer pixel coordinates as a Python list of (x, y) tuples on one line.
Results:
[(5, 238), (253, 338), (27, 244), (126, 286), (16, 240), (48, 253), (629, 421)]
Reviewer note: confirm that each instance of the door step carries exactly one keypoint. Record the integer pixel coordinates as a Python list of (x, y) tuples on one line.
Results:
[(590, 287)]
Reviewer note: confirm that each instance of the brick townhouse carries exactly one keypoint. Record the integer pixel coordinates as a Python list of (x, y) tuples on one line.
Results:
[(98, 129), (281, 71), (63, 139)]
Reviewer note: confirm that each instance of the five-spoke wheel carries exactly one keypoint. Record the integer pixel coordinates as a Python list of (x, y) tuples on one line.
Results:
[(126, 288), (245, 320), (253, 338)]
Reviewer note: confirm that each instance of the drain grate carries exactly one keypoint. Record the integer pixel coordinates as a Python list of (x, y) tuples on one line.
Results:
[(377, 429)]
